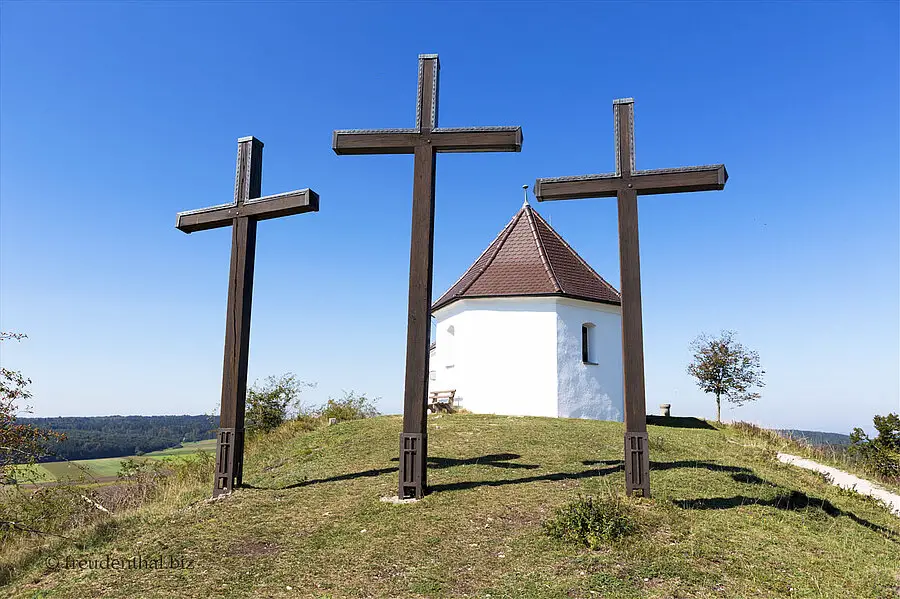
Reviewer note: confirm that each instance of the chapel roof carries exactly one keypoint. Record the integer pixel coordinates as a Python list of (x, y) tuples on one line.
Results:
[(529, 258)]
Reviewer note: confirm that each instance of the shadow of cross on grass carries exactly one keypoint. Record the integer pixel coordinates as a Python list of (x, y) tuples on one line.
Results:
[(714, 466), (496, 460), (614, 466), (786, 499), (738, 473)]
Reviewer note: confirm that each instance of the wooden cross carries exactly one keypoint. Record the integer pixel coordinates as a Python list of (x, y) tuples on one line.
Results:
[(242, 215), (626, 184), (424, 141)]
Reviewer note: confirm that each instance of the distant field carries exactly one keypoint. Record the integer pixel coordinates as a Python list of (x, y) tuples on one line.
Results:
[(185, 449), (87, 470)]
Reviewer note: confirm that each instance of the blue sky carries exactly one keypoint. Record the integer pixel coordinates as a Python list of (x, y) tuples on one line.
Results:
[(113, 117)]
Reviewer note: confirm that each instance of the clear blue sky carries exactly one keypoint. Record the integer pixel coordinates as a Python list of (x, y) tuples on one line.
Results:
[(115, 116)]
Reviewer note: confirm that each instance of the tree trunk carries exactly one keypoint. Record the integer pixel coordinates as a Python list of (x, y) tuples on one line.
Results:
[(718, 408)]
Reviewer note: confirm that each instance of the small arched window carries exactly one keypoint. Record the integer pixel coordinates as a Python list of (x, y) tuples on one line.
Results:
[(588, 349)]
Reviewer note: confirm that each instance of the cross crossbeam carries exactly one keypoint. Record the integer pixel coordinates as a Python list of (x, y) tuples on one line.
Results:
[(273, 206), (626, 183), (626, 178), (426, 133), (242, 215), (424, 141), (404, 141), (649, 182)]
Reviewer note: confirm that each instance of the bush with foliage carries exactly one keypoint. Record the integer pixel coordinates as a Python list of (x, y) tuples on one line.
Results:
[(278, 400), (269, 404), (592, 522), (881, 454), (352, 406)]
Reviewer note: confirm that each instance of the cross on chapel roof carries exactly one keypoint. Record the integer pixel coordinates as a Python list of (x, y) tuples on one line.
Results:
[(529, 258)]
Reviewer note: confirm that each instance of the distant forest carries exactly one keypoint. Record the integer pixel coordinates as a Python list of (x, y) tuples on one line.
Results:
[(115, 436), (817, 437)]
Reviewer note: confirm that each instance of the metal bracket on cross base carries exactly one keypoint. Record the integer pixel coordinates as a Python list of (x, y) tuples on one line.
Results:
[(229, 460), (413, 454), (637, 464)]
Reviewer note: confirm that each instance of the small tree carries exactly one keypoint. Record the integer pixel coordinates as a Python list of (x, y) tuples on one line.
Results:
[(270, 403), (726, 368), (19, 443)]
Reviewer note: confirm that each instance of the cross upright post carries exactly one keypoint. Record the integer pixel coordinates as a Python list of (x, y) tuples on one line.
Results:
[(424, 141), (626, 184), (242, 215)]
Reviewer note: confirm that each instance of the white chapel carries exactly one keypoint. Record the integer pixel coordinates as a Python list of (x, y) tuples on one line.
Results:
[(530, 329)]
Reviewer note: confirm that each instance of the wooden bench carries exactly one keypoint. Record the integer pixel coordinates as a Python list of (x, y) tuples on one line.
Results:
[(441, 401)]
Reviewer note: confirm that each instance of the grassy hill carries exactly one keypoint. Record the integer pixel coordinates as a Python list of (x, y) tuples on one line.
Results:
[(726, 520)]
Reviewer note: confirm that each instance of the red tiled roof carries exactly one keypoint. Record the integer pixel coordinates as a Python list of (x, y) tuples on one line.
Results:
[(529, 258)]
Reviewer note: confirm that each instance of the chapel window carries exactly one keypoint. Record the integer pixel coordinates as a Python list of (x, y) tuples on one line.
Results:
[(588, 351)]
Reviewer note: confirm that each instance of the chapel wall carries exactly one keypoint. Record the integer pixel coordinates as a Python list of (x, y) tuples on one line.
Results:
[(594, 391), (504, 354)]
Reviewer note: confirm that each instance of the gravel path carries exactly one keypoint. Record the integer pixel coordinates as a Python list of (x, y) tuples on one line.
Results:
[(846, 481)]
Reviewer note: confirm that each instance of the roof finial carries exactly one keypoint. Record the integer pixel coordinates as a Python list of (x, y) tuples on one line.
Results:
[(525, 189)]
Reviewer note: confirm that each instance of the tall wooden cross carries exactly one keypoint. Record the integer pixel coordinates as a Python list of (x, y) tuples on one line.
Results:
[(626, 184), (424, 141), (242, 215)]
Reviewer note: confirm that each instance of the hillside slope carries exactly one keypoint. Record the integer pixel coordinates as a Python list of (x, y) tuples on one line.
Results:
[(726, 520)]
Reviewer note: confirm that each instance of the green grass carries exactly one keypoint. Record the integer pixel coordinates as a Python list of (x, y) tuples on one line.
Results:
[(102, 466), (88, 470), (726, 520), (185, 449), (32, 473)]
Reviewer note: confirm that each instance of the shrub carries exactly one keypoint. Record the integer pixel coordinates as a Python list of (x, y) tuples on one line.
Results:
[(268, 403), (881, 455), (351, 406), (592, 521), (44, 511), (130, 468), (305, 423), (197, 468)]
